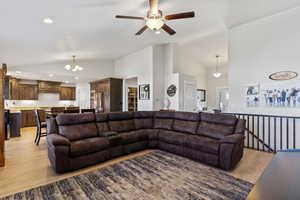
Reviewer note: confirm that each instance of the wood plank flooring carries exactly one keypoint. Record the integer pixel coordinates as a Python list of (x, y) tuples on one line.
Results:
[(27, 165)]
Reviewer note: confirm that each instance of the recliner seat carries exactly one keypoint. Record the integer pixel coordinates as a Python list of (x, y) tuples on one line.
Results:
[(80, 140)]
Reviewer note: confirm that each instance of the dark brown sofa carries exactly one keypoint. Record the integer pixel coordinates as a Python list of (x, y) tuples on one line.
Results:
[(79, 140)]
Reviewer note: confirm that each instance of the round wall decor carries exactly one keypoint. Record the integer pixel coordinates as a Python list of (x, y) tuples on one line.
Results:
[(283, 76), (171, 91)]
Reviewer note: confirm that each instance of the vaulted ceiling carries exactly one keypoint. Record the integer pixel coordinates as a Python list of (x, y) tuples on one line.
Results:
[(89, 30)]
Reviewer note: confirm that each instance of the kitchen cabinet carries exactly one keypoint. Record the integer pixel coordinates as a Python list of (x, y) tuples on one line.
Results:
[(106, 95), (49, 87), (28, 92), (28, 118), (13, 89), (67, 93)]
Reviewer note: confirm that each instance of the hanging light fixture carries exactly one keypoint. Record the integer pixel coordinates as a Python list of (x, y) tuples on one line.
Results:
[(73, 66), (217, 74)]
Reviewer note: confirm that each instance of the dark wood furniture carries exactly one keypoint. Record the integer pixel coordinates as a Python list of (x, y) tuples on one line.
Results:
[(106, 95), (28, 92), (3, 71), (49, 87), (67, 93), (41, 125), (72, 111), (28, 118), (15, 123), (57, 110), (13, 89), (88, 110), (280, 180)]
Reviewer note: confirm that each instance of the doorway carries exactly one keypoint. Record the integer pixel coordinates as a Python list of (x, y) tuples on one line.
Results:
[(189, 96), (131, 94), (223, 99)]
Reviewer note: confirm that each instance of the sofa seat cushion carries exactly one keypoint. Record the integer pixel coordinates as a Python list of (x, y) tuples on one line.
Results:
[(202, 143), (171, 137), (134, 136), (87, 146)]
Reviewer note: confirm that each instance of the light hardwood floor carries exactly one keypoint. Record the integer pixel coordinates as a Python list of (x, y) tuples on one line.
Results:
[(27, 165)]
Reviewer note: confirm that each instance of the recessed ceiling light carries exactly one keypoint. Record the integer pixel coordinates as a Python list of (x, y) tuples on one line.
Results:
[(51, 75), (157, 32), (18, 72), (48, 21), (76, 77), (67, 81)]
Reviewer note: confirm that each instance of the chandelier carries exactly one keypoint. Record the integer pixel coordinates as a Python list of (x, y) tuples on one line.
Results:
[(217, 74), (73, 66)]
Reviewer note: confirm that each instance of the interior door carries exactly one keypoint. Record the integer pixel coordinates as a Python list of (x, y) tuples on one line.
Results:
[(189, 96), (223, 99)]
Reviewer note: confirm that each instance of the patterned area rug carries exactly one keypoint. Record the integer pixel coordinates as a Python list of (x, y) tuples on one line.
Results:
[(157, 175)]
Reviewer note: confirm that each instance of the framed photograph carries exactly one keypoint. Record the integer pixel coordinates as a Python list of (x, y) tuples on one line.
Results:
[(281, 96), (144, 92), (202, 94), (252, 95)]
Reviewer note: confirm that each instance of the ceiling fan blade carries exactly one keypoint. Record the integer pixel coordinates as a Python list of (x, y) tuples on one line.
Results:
[(142, 30), (180, 16), (153, 6), (129, 17), (168, 29)]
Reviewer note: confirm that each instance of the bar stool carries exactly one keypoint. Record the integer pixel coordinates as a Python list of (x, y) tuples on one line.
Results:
[(41, 125)]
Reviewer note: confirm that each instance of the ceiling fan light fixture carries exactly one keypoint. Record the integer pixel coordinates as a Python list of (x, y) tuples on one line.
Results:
[(155, 24)]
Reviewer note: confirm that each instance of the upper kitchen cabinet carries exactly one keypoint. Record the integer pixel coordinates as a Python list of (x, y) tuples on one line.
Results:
[(28, 92), (67, 93), (13, 89), (49, 87)]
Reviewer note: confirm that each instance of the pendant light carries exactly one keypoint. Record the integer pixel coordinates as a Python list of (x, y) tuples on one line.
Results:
[(73, 66), (217, 74)]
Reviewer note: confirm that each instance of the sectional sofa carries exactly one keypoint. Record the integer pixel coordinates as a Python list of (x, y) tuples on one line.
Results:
[(79, 140)]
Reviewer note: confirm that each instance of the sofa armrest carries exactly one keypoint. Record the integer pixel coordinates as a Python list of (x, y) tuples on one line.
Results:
[(231, 151), (51, 126), (233, 139), (240, 127), (58, 140)]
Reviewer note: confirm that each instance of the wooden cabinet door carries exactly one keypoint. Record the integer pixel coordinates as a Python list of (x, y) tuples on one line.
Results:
[(13, 89), (28, 92), (67, 93), (28, 118)]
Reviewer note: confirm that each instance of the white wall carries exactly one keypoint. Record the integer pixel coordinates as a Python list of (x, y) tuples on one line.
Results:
[(140, 65), (260, 48)]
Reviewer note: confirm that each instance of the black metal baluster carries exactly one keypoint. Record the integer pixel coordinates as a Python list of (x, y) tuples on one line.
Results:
[(257, 125), (264, 139), (287, 133), (280, 133), (248, 134), (269, 131), (275, 136), (253, 131), (294, 132)]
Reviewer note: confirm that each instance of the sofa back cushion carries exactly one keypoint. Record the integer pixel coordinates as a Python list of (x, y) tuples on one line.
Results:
[(102, 122), (216, 125), (77, 126), (143, 120), (163, 120), (121, 121), (186, 122)]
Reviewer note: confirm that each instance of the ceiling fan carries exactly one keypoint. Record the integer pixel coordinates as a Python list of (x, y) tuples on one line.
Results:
[(155, 20)]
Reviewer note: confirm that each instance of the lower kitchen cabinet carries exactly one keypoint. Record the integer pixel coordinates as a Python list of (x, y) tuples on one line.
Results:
[(28, 118)]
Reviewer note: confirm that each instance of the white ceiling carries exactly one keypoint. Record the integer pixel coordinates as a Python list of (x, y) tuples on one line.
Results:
[(89, 30)]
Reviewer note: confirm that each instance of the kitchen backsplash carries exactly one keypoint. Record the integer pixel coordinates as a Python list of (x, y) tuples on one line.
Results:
[(45, 100)]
